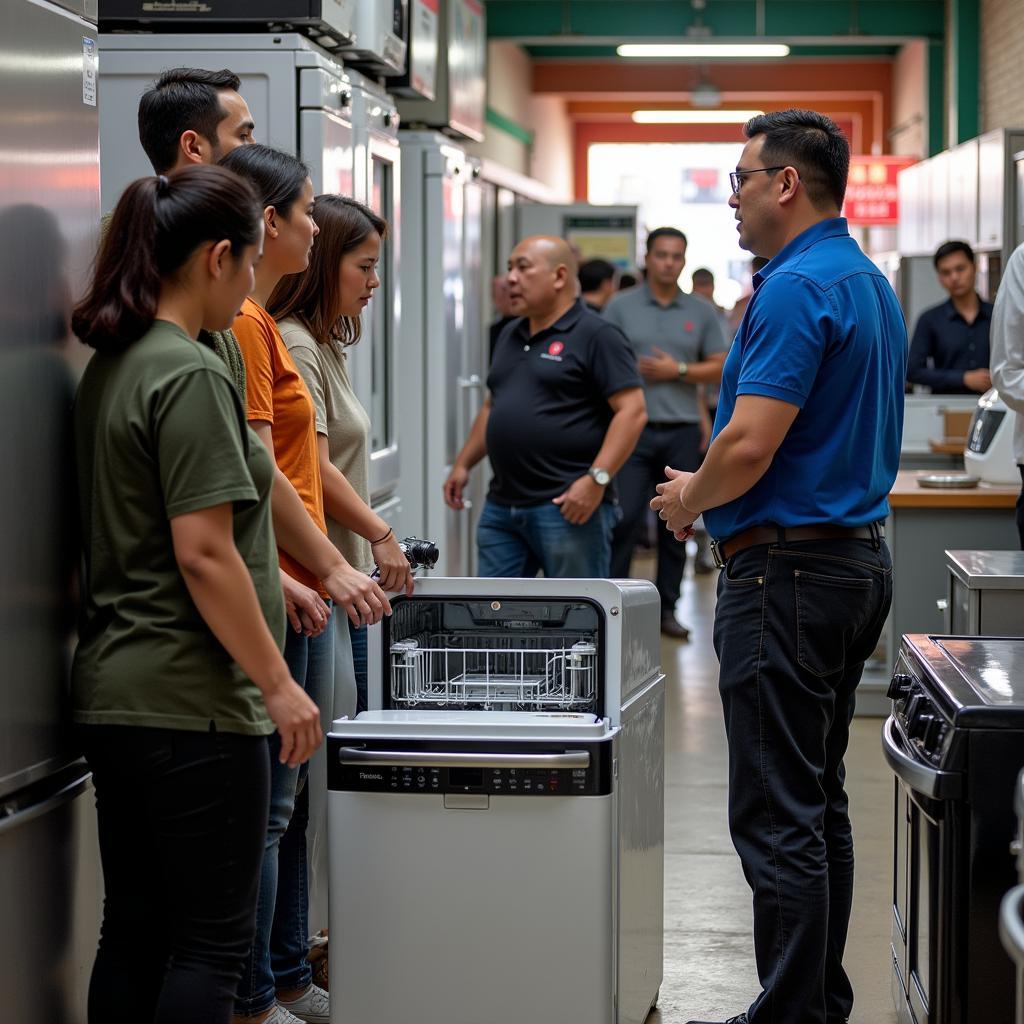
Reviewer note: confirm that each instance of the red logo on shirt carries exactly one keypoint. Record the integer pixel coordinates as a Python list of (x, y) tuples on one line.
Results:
[(688, 325), (556, 348)]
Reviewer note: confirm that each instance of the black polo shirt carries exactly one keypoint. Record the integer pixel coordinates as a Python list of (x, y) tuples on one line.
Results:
[(945, 345), (549, 403)]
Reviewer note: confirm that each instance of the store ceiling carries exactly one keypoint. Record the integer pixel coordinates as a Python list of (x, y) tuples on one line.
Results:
[(591, 29)]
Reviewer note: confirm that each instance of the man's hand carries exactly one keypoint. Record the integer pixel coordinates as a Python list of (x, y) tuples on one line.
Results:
[(297, 719), (363, 600), (580, 501), (978, 380), (307, 612), (658, 367), (454, 486), (669, 505)]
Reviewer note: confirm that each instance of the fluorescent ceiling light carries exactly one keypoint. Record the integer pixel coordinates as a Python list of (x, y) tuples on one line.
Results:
[(703, 50), (694, 116)]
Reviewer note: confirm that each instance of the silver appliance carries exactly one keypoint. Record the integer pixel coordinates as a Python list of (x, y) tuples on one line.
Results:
[(381, 30), (300, 98), (1011, 911), (954, 743), (330, 23), (443, 345), (986, 593), (989, 451), (420, 76), (496, 819), (460, 95), (50, 882), (374, 362)]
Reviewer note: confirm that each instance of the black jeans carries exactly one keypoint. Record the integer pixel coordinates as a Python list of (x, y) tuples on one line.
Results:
[(793, 628), (676, 445), (182, 823)]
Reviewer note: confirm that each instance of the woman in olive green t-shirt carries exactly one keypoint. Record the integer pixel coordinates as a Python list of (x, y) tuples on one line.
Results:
[(178, 677)]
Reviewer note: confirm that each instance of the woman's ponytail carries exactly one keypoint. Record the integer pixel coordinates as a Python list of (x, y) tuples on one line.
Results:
[(156, 226)]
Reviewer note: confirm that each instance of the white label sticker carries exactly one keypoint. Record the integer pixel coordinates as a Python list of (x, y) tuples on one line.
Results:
[(89, 71)]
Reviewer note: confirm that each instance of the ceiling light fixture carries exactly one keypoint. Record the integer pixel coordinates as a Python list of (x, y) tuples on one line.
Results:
[(703, 51), (694, 116)]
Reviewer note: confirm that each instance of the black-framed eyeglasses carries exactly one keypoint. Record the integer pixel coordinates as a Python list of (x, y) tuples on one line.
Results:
[(736, 177)]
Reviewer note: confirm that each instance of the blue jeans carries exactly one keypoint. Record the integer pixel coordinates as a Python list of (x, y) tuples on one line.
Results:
[(521, 541), (358, 634), (278, 956), (794, 625)]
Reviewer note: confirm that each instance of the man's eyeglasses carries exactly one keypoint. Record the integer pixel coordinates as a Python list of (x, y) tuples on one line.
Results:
[(736, 177)]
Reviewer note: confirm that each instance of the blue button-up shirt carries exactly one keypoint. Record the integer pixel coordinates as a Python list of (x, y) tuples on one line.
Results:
[(823, 331), (945, 345)]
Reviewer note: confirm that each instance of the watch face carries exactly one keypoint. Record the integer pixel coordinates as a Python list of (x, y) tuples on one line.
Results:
[(601, 476)]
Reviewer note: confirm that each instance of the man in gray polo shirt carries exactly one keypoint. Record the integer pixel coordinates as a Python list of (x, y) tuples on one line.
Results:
[(679, 344)]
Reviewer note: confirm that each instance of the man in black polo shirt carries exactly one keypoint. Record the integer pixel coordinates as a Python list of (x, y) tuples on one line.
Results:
[(949, 352), (564, 410)]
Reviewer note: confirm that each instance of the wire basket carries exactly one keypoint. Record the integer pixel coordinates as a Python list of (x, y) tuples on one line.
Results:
[(535, 674)]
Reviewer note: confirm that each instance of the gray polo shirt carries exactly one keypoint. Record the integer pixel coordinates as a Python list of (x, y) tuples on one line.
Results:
[(688, 329)]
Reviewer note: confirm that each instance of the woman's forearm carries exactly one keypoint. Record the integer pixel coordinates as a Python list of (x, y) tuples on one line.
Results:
[(343, 503)]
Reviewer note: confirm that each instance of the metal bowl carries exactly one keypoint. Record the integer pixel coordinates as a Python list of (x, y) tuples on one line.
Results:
[(947, 480)]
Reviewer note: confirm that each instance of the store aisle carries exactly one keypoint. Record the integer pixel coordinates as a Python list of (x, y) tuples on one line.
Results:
[(709, 960)]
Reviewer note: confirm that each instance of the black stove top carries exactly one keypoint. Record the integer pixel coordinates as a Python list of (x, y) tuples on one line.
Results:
[(977, 682)]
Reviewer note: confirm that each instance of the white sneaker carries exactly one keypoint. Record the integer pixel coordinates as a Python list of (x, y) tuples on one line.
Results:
[(313, 1007), (279, 1015)]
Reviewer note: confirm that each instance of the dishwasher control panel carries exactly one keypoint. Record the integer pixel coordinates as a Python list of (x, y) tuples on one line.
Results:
[(526, 779)]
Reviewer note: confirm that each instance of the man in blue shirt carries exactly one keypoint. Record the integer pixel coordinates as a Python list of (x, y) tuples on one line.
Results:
[(794, 489), (949, 352)]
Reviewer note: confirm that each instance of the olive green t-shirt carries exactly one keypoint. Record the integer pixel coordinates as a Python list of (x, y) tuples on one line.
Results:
[(160, 431)]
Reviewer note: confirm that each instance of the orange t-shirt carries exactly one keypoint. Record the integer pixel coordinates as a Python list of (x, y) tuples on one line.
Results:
[(276, 394)]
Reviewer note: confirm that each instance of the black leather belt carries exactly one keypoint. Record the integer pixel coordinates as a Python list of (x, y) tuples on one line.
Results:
[(724, 550)]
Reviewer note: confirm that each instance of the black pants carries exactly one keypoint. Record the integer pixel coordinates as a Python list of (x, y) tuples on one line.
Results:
[(1020, 509), (182, 823), (793, 628), (676, 445)]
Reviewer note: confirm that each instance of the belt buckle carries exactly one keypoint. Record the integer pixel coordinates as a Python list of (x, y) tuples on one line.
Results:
[(716, 554)]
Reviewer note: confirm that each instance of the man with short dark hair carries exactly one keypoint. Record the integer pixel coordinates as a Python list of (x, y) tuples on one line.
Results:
[(190, 115), (597, 284), (679, 344), (950, 350), (795, 489), (563, 411)]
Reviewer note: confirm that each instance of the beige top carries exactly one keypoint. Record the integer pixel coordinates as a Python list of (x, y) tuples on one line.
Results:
[(341, 417)]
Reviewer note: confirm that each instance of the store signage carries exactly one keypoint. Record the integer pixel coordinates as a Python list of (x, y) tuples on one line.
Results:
[(871, 193)]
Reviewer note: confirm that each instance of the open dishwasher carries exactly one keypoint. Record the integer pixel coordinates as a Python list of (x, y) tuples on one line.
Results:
[(496, 819)]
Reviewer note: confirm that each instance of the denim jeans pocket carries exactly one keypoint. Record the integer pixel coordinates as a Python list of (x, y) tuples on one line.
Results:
[(830, 611)]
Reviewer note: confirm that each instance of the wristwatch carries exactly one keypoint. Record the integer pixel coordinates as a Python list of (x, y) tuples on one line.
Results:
[(684, 369), (601, 477)]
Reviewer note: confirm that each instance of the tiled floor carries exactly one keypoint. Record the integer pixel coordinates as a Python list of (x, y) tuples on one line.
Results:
[(709, 962)]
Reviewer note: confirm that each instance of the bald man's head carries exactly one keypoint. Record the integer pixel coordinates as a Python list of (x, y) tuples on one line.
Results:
[(541, 276)]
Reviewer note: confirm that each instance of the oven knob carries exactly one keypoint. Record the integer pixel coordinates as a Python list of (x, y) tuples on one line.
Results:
[(918, 725), (910, 711), (900, 686), (932, 732)]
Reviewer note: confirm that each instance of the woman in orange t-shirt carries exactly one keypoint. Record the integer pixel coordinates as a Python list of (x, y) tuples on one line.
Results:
[(281, 412)]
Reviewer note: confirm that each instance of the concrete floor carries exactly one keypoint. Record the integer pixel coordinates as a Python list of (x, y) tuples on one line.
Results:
[(709, 960)]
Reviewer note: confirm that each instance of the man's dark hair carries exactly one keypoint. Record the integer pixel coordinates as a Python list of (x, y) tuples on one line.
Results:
[(810, 142), (181, 100), (703, 276), (664, 233), (627, 280), (594, 273), (949, 249)]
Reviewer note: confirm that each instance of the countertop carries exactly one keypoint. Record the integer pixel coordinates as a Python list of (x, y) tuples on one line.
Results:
[(906, 493)]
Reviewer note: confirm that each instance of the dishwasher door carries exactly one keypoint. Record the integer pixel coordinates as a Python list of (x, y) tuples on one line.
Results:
[(486, 906)]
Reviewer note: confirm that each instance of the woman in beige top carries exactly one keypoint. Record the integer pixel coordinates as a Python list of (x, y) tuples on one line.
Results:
[(318, 314)]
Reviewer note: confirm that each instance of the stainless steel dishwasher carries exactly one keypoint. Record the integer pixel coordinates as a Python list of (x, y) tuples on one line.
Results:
[(496, 820)]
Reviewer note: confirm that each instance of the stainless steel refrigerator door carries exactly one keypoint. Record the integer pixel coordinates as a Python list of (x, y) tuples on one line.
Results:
[(49, 219), (450, 915), (326, 146), (51, 891)]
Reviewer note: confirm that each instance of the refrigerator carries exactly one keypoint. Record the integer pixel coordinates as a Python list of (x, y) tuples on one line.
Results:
[(50, 885), (443, 346)]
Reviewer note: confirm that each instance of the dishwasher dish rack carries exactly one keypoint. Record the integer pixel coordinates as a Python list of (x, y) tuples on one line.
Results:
[(532, 675)]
